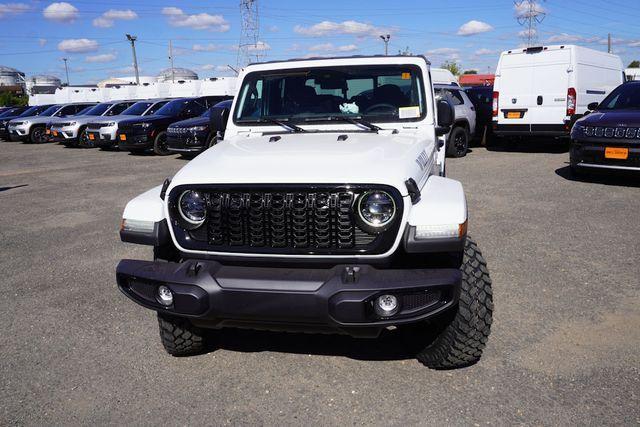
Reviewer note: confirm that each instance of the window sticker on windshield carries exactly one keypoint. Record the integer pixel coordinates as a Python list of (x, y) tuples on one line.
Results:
[(349, 108), (406, 76), (408, 112)]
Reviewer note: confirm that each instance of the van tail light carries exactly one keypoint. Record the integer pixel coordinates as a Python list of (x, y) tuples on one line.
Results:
[(571, 101), (496, 95)]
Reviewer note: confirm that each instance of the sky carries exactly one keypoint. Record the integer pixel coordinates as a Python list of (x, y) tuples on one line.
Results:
[(36, 35)]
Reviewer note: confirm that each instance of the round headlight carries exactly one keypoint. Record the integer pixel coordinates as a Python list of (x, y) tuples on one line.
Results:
[(192, 207), (376, 209)]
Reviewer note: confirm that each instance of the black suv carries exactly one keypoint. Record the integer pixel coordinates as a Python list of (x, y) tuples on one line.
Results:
[(608, 137), (150, 132), (27, 112), (192, 136)]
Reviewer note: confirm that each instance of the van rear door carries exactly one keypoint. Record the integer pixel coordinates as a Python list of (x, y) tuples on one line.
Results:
[(515, 77), (550, 85)]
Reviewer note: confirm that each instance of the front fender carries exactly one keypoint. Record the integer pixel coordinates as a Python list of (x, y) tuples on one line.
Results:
[(143, 220)]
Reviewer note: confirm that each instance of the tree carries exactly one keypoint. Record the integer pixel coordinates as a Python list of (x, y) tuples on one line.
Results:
[(470, 72), (634, 64), (11, 99), (451, 66)]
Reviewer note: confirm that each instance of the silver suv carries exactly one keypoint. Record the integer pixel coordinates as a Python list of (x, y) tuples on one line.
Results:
[(465, 121)]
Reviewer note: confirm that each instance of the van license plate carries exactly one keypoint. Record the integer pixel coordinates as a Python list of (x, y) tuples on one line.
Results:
[(616, 153), (514, 115)]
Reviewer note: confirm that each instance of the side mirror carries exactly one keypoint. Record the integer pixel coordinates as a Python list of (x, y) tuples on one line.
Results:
[(446, 116), (592, 106), (219, 117)]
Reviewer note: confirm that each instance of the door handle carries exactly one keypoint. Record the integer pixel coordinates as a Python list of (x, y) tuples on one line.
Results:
[(539, 100)]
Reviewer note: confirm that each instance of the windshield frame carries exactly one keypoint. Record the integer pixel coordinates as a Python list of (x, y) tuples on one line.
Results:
[(249, 122)]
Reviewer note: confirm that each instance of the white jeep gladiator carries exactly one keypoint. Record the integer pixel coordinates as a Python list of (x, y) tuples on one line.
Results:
[(322, 208)]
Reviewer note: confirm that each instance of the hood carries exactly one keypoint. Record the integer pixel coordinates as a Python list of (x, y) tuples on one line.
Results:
[(613, 118), (116, 119), (363, 158), (196, 121), (33, 119), (148, 119)]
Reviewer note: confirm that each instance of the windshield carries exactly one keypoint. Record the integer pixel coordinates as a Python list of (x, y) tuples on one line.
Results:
[(172, 108), (9, 112), (137, 109), (34, 111), (50, 111), (155, 108), (98, 110), (375, 93), (625, 97), (84, 111)]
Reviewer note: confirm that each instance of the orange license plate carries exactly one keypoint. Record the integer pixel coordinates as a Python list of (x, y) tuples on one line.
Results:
[(55, 133), (616, 153), (48, 131), (514, 115), (92, 136), (123, 137)]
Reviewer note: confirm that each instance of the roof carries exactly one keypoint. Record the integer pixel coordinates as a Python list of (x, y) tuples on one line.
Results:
[(318, 58), (476, 79)]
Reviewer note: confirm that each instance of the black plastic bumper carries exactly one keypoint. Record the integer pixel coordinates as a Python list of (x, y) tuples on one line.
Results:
[(592, 155), (338, 299), (134, 142), (553, 130)]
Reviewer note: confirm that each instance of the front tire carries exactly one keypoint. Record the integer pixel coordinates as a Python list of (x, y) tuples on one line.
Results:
[(461, 342), (458, 143), (179, 337), (38, 135), (160, 144), (83, 139)]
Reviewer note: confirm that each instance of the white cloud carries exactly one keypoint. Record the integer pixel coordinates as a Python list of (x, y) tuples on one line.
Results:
[(42, 42), (200, 21), (354, 28), (258, 47), (574, 38), (443, 51), (329, 47), (78, 45), (484, 51), (13, 9), (205, 47), (634, 44), (528, 8), (474, 27), (107, 20), (60, 12), (525, 33), (273, 28), (103, 57)]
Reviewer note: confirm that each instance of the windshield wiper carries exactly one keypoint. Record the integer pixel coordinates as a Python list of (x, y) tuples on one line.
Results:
[(357, 120), (288, 126)]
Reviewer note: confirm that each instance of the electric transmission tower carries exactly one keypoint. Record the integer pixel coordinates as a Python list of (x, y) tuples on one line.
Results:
[(249, 49), (529, 14)]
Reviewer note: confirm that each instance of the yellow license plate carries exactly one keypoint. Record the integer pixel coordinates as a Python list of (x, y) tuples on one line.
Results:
[(123, 137), (513, 115), (55, 133), (616, 153), (92, 136)]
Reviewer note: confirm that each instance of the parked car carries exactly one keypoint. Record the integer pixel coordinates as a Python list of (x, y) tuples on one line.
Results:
[(608, 138), (12, 111), (482, 99), (150, 132), (465, 122), (55, 135), (192, 136), (103, 132), (74, 132), (33, 129), (29, 112), (542, 91), (323, 210)]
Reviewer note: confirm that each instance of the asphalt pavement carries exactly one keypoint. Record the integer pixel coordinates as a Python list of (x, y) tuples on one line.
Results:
[(564, 349)]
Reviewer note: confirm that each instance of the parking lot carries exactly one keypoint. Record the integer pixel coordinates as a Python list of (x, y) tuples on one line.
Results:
[(563, 256)]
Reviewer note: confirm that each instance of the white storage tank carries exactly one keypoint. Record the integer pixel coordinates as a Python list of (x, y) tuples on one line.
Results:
[(41, 83), (177, 75), (10, 77)]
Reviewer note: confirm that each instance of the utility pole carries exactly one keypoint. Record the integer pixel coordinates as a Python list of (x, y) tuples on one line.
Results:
[(133, 39), (609, 43), (173, 73), (385, 39), (66, 69), (249, 49), (529, 14)]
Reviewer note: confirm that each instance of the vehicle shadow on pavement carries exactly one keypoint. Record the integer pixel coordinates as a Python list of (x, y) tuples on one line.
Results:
[(11, 187), (615, 178), (549, 146), (391, 345)]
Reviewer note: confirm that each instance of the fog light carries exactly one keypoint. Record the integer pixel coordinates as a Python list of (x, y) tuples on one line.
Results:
[(165, 297), (386, 305)]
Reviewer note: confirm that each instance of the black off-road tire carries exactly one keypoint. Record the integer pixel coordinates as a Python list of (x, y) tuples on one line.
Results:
[(179, 337), (160, 144), (458, 143), (461, 342), (37, 135)]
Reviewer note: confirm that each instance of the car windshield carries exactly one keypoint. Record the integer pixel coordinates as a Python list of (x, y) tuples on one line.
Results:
[(155, 108), (9, 112), (34, 111), (172, 108), (137, 109), (375, 93), (625, 97), (98, 110), (50, 111), (84, 111)]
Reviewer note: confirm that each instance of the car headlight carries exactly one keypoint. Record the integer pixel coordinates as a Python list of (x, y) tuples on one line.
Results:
[(376, 210), (192, 207), (110, 124), (72, 124), (198, 128), (143, 125)]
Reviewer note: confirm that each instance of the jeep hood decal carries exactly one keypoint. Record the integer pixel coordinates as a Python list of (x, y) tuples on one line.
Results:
[(361, 158)]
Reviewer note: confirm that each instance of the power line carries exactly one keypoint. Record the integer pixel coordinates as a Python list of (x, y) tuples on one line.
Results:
[(529, 14)]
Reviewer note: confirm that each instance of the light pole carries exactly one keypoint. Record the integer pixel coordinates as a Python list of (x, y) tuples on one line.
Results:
[(66, 69), (133, 39), (385, 39)]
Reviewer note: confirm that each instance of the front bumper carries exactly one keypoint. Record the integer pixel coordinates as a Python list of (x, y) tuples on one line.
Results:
[(17, 133), (134, 141), (591, 154), (102, 138), (62, 134), (549, 130), (186, 143), (337, 299)]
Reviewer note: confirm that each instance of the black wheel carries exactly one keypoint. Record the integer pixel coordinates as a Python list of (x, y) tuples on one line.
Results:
[(458, 143), (160, 144), (179, 337), (83, 139), (38, 135), (462, 340)]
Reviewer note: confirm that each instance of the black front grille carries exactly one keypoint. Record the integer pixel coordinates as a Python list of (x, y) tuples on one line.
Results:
[(290, 221), (96, 125)]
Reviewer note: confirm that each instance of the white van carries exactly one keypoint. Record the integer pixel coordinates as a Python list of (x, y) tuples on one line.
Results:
[(541, 91), (442, 76)]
